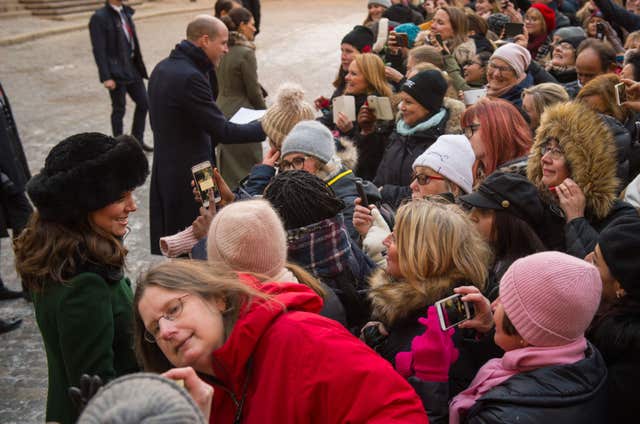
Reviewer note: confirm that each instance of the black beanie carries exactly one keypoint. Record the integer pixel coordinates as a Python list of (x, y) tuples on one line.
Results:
[(84, 173), (359, 37), (398, 13), (620, 246), (302, 199), (428, 88)]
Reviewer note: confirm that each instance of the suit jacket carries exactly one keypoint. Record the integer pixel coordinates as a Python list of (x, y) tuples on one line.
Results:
[(187, 124), (112, 50)]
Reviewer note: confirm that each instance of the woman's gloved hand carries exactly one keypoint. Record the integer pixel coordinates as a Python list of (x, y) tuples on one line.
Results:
[(432, 352)]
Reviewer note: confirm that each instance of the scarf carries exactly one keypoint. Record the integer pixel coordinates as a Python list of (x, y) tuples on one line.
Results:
[(501, 92), (238, 39), (403, 129), (514, 362), (535, 43), (322, 248)]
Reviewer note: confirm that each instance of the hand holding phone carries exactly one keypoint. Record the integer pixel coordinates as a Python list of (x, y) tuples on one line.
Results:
[(364, 200), (600, 31), (203, 177), (452, 311), (402, 39), (621, 93)]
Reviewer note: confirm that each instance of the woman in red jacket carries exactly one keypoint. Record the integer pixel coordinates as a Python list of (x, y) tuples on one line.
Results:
[(264, 349)]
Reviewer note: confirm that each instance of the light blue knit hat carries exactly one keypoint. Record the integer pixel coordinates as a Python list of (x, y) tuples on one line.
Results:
[(311, 138)]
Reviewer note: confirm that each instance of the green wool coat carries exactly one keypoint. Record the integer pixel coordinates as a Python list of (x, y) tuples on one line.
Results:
[(87, 328), (238, 87)]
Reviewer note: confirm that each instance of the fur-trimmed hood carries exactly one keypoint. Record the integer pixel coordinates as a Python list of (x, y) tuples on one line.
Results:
[(238, 39), (392, 301), (589, 149), (347, 152), (456, 109)]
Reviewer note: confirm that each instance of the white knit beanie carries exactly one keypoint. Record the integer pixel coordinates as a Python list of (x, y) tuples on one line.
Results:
[(311, 138), (452, 157), (516, 56), (248, 236)]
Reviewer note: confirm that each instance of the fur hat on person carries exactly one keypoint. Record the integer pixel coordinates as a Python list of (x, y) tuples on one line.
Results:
[(428, 88), (359, 37), (452, 157), (516, 56), (248, 236), (620, 243), (141, 397), (84, 173), (548, 15), (302, 199), (593, 165), (550, 297), (289, 109), (311, 138), (384, 3)]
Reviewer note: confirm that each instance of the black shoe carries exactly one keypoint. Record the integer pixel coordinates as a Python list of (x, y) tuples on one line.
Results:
[(146, 147), (7, 325), (6, 294)]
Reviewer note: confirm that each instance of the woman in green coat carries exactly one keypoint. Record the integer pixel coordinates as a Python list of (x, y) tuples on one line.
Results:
[(238, 87), (71, 257)]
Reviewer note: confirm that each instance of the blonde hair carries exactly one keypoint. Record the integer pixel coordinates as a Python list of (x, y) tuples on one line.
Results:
[(604, 87), (546, 94), (372, 69), (206, 280), (633, 37), (437, 246)]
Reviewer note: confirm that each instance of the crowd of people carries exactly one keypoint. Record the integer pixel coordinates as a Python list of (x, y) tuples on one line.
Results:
[(508, 175)]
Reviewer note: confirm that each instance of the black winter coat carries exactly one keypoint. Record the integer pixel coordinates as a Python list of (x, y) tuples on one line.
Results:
[(111, 50), (397, 160), (187, 125), (562, 394)]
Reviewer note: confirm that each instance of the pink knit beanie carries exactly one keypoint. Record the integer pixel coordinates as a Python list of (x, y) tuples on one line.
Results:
[(550, 297), (248, 236)]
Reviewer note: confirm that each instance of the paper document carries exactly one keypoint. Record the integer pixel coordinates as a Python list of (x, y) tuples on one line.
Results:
[(244, 115), (346, 105)]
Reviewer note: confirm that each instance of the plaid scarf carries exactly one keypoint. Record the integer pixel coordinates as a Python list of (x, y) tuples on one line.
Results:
[(322, 248)]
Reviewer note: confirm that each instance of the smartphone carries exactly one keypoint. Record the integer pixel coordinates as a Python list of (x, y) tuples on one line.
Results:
[(621, 93), (203, 176), (402, 39), (511, 29), (452, 311), (600, 31), (439, 40), (364, 200)]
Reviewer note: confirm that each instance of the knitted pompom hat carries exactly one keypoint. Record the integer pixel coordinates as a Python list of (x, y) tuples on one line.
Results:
[(550, 297), (84, 173), (248, 236), (289, 109), (142, 397)]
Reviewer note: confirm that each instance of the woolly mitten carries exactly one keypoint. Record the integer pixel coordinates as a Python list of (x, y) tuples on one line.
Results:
[(432, 352)]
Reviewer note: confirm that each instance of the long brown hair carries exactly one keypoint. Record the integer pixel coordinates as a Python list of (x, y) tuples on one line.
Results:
[(50, 252)]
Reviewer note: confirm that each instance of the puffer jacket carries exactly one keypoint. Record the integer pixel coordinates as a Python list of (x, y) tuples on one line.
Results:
[(590, 153), (562, 394)]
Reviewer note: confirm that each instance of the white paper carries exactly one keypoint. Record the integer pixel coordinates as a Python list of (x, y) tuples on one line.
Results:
[(244, 115), (472, 96), (346, 105)]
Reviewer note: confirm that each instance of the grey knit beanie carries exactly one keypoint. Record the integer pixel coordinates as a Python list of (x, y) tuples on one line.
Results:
[(142, 397), (311, 138)]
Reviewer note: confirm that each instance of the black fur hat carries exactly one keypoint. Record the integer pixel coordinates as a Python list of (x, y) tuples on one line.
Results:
[(84, 173)]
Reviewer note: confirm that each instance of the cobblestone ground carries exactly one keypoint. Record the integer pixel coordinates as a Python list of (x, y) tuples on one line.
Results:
[(53, 87)]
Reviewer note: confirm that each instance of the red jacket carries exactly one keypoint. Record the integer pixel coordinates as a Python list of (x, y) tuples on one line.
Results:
[(304, 368)]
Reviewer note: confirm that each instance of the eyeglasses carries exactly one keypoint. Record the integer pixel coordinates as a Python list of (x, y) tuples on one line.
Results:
[(424, 179), (296, 163), (501, 69), (173, 311), (471, 130), (555, 152)]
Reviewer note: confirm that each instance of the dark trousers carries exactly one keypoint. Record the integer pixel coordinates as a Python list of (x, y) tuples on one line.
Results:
[(138, 94), (16, 211)]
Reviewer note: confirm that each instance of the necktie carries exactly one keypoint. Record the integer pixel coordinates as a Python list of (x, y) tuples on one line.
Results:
[(127, 29)]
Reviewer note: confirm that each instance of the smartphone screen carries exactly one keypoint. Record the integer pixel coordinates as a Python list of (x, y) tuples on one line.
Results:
[(511, 29), (621, 93), (203, 176), (452, 311), (402, 40)]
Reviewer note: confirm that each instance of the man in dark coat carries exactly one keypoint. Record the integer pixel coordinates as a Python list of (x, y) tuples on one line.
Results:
[(15, 208), (187, 124), (117, 53)]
